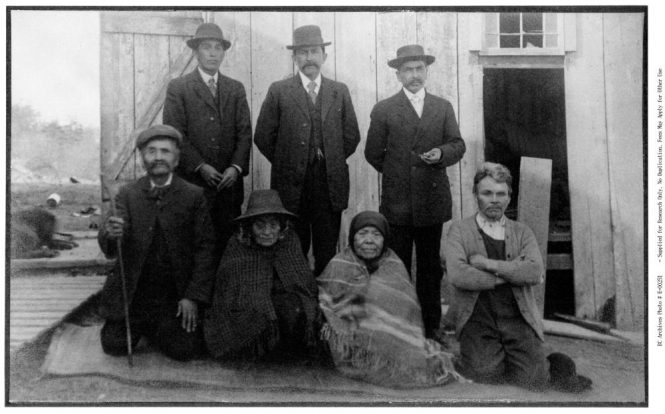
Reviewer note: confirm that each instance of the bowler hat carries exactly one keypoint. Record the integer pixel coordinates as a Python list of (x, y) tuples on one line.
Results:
[(264, 202), (306, 36), (158, 131), (410, 52), (563, 374), (208, 31)]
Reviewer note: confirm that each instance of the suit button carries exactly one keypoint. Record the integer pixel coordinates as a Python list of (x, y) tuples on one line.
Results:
[(212, 118), (304, 125), (212, 139), (434, 185), (302, 142)]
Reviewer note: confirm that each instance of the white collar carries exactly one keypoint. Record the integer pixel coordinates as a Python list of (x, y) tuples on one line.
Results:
[(418, 95), (494, 229), (206, 77), (168, 182), (305, 81)]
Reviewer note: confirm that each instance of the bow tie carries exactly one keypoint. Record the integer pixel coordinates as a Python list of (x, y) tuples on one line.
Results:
[(157, 193)]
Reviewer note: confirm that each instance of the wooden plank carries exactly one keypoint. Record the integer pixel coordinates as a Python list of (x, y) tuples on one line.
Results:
[(356, 67), (470, 78), (393, 30), (623, 78), (150, 23), (237, 61), (572, 331), (437, 33), (117, 91), (271, 61), (326, 21), (588, 182), (533, 208)]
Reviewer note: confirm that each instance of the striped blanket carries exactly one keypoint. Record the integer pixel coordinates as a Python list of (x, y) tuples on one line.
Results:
[(374, 326)]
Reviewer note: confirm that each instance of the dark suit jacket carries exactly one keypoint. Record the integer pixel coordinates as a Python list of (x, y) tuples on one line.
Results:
[(413, 192), (185, 224), (283, 132), (190, 108)]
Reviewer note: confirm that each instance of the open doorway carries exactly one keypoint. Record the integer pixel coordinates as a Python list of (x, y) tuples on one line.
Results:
[(524, 115)]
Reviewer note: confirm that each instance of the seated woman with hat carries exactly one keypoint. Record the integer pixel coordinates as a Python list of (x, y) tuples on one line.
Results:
[(374, 327), (264, 303)]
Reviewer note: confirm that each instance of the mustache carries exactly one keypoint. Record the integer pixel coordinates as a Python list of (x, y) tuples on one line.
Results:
[(156, 163), (308, 63)]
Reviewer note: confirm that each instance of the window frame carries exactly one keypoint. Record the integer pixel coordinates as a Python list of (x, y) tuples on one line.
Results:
[(559, 50)]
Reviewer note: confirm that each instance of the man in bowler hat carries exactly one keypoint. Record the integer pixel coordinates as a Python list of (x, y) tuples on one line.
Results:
[(413, 136), (307, 128), (211, 112), (167, 243)]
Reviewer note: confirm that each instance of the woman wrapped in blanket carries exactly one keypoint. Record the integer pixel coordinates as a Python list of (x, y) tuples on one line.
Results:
[(264, 304), (374, 327)]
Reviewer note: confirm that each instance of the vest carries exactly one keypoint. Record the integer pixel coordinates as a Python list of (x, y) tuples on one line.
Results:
[(316, 133)]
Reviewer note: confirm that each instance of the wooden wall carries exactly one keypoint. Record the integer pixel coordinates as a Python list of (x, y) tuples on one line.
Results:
[(141, 51)]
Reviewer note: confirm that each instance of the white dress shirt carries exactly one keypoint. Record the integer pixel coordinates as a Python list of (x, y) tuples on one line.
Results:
[(417, 100), (494, 229), (305, 82)]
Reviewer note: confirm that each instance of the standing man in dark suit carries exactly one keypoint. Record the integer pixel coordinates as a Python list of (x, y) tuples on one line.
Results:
[(307, 128), (413, 136), (167, 243), (211, 112)]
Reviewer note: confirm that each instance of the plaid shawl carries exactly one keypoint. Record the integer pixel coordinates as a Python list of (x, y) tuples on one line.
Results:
[(242, 315), (374, 325)]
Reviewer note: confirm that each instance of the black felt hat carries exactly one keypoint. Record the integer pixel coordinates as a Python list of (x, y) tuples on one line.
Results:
[(208, 31), (563, 374), (408, 53)]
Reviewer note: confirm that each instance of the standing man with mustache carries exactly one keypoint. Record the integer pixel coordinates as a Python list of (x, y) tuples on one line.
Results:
[(413, 136), (307, 128), (167, 244), (211, 112)]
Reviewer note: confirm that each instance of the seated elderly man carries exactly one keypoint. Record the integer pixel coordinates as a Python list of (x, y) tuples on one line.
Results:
[(167, 242), (494, 263)]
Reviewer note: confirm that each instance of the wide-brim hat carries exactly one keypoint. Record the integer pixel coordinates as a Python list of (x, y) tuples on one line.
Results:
[(408, 53), (307, 36), (208, 31), (263, 202), (158, 131), (563, 374)]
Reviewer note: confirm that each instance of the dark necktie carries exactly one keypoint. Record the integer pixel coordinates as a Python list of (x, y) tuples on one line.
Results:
[(157, 193), (213, 87), (311, 91)]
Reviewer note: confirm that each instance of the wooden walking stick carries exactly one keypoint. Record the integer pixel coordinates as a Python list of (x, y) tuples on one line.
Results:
[(123, 279)]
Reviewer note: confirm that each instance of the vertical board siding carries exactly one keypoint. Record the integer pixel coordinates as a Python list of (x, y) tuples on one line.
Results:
[(470, 115), (623, 80), (355, 35), (271, 61), (588, 169), (117, 91)]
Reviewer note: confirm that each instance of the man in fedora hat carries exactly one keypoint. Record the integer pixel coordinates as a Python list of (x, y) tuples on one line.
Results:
[(211, 112), (167, 245), (307, 128), (413, 136)]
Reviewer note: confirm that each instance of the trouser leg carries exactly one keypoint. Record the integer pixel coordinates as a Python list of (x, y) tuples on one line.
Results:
[(481, 352), (175, 342), (429, 275), (401, 241), (526, 362), (114, 337)]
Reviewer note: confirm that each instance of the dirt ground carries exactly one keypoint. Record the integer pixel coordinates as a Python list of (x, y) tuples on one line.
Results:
[(74, 198)]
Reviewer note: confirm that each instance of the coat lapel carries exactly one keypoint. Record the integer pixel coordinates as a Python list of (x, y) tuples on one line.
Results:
[(222, 92), (299, 95), (327, 95), (429, 114), (172, 194), (201, 89)]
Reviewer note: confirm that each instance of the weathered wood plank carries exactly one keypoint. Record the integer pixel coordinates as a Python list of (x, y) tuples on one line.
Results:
[(589, 186), (470, 115), (238, 59), (623, 80), (151, 23), (356, 67), (533, 208), (117, 91), (437, 33), (271, 61), (393, 30)]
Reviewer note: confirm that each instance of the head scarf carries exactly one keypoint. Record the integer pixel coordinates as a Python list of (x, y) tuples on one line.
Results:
[(374, 219)]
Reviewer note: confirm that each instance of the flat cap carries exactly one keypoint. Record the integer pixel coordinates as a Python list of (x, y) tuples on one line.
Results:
[(158, 131)]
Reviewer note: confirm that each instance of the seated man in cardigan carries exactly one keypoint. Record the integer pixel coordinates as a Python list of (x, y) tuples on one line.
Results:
[(494, 264), (168, 243)]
